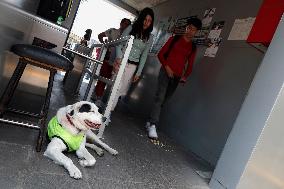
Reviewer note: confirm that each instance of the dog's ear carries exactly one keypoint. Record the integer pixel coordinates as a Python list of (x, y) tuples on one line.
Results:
[(85, 108)]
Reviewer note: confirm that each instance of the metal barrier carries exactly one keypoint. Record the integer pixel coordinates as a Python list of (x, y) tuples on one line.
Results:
[(94, 73)]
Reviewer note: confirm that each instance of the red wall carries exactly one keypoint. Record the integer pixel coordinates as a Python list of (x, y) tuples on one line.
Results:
[(266, 22)]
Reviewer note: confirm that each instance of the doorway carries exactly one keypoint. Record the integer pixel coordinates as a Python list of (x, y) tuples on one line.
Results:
[(95, 15)]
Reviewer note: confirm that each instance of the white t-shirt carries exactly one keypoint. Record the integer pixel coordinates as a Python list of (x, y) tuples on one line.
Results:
[(112, 34)]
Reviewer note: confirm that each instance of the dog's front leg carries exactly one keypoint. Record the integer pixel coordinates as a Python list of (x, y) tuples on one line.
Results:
[(86, 159), (94, 138), (54, 151)]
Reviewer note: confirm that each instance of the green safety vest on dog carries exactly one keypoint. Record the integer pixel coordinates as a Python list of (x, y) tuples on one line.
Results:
[(73, 142)]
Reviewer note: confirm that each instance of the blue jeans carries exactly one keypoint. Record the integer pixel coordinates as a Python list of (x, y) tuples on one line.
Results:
[(166, 88)]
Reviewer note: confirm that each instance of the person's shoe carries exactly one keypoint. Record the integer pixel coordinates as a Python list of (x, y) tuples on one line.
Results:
[(152, 133)]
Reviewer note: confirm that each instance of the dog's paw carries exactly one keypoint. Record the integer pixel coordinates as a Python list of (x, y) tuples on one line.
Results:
[(100, 152), (75, 173), (87, 163), (113, 152), (97, 149)]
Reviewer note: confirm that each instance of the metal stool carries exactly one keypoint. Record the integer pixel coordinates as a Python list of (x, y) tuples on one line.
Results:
[(39, 57)]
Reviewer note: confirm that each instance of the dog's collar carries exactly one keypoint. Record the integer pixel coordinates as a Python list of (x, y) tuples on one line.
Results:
[(69, 120)]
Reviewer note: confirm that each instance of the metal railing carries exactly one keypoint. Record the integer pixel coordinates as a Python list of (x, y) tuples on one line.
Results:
[(94, 73)]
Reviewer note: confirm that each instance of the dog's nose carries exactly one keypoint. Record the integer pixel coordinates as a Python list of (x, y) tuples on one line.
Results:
[(104, 119)]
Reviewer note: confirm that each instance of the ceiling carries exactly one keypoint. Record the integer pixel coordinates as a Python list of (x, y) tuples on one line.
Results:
[(140, 4)]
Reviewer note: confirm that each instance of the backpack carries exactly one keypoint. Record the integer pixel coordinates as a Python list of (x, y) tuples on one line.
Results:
[(173, 42)]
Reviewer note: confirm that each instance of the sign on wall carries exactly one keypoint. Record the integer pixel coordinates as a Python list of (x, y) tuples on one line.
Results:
[(241, 29), (207, 17), (201, 37), (214, 39)]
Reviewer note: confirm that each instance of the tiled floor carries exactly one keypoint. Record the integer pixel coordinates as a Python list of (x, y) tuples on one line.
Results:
[(140, 163)]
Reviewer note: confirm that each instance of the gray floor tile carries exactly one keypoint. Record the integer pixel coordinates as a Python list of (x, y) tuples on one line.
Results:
[(17, 135), (139, 164), (109, 167), (14, 156), (43, 165), (111, 184), (10, 178), (48, 181)]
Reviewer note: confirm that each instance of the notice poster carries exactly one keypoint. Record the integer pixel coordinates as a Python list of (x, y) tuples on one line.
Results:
[(201, 37), (180, 25), (213, 46), (207, 18), (241, 29), (216, 29), (214, 39)]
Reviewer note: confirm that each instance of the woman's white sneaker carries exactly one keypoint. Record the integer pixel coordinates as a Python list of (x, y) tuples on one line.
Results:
[(152, 133)]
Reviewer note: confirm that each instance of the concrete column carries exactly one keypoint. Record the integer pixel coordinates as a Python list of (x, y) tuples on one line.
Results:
[(258, 123)]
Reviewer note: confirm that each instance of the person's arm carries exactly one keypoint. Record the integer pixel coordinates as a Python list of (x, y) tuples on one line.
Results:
[(118, 48), (162, 59), (101, 36), (190, 60), (144, 56)]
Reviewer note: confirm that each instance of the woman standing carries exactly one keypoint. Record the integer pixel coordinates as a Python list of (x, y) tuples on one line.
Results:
[(141, 30)]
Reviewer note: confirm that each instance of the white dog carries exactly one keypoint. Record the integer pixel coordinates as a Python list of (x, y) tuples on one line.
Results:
[(69, 129)]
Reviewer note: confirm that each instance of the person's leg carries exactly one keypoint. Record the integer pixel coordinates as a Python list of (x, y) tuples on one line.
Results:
[(128, 78), (124, 83), (172, 86), (161, 91), (105, 71)]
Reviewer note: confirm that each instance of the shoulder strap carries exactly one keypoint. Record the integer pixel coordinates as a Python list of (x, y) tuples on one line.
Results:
[(175, 39), (193, 49), (173, 42)]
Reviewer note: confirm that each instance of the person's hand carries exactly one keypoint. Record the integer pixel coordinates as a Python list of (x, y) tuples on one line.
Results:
[(182, 80), (135, 78), (169, 71), (116, 65)]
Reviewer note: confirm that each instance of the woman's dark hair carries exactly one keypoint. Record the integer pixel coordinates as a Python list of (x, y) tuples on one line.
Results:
[(126, 20), (137, 27)]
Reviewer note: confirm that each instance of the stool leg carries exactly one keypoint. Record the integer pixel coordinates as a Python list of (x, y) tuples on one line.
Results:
[(11, 87), (44, 111)]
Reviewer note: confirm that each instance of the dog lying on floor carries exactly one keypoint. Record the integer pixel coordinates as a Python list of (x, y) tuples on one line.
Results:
[(69, 130)]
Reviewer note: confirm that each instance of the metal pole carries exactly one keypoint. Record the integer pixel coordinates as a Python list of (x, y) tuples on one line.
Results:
[(116, 85)]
